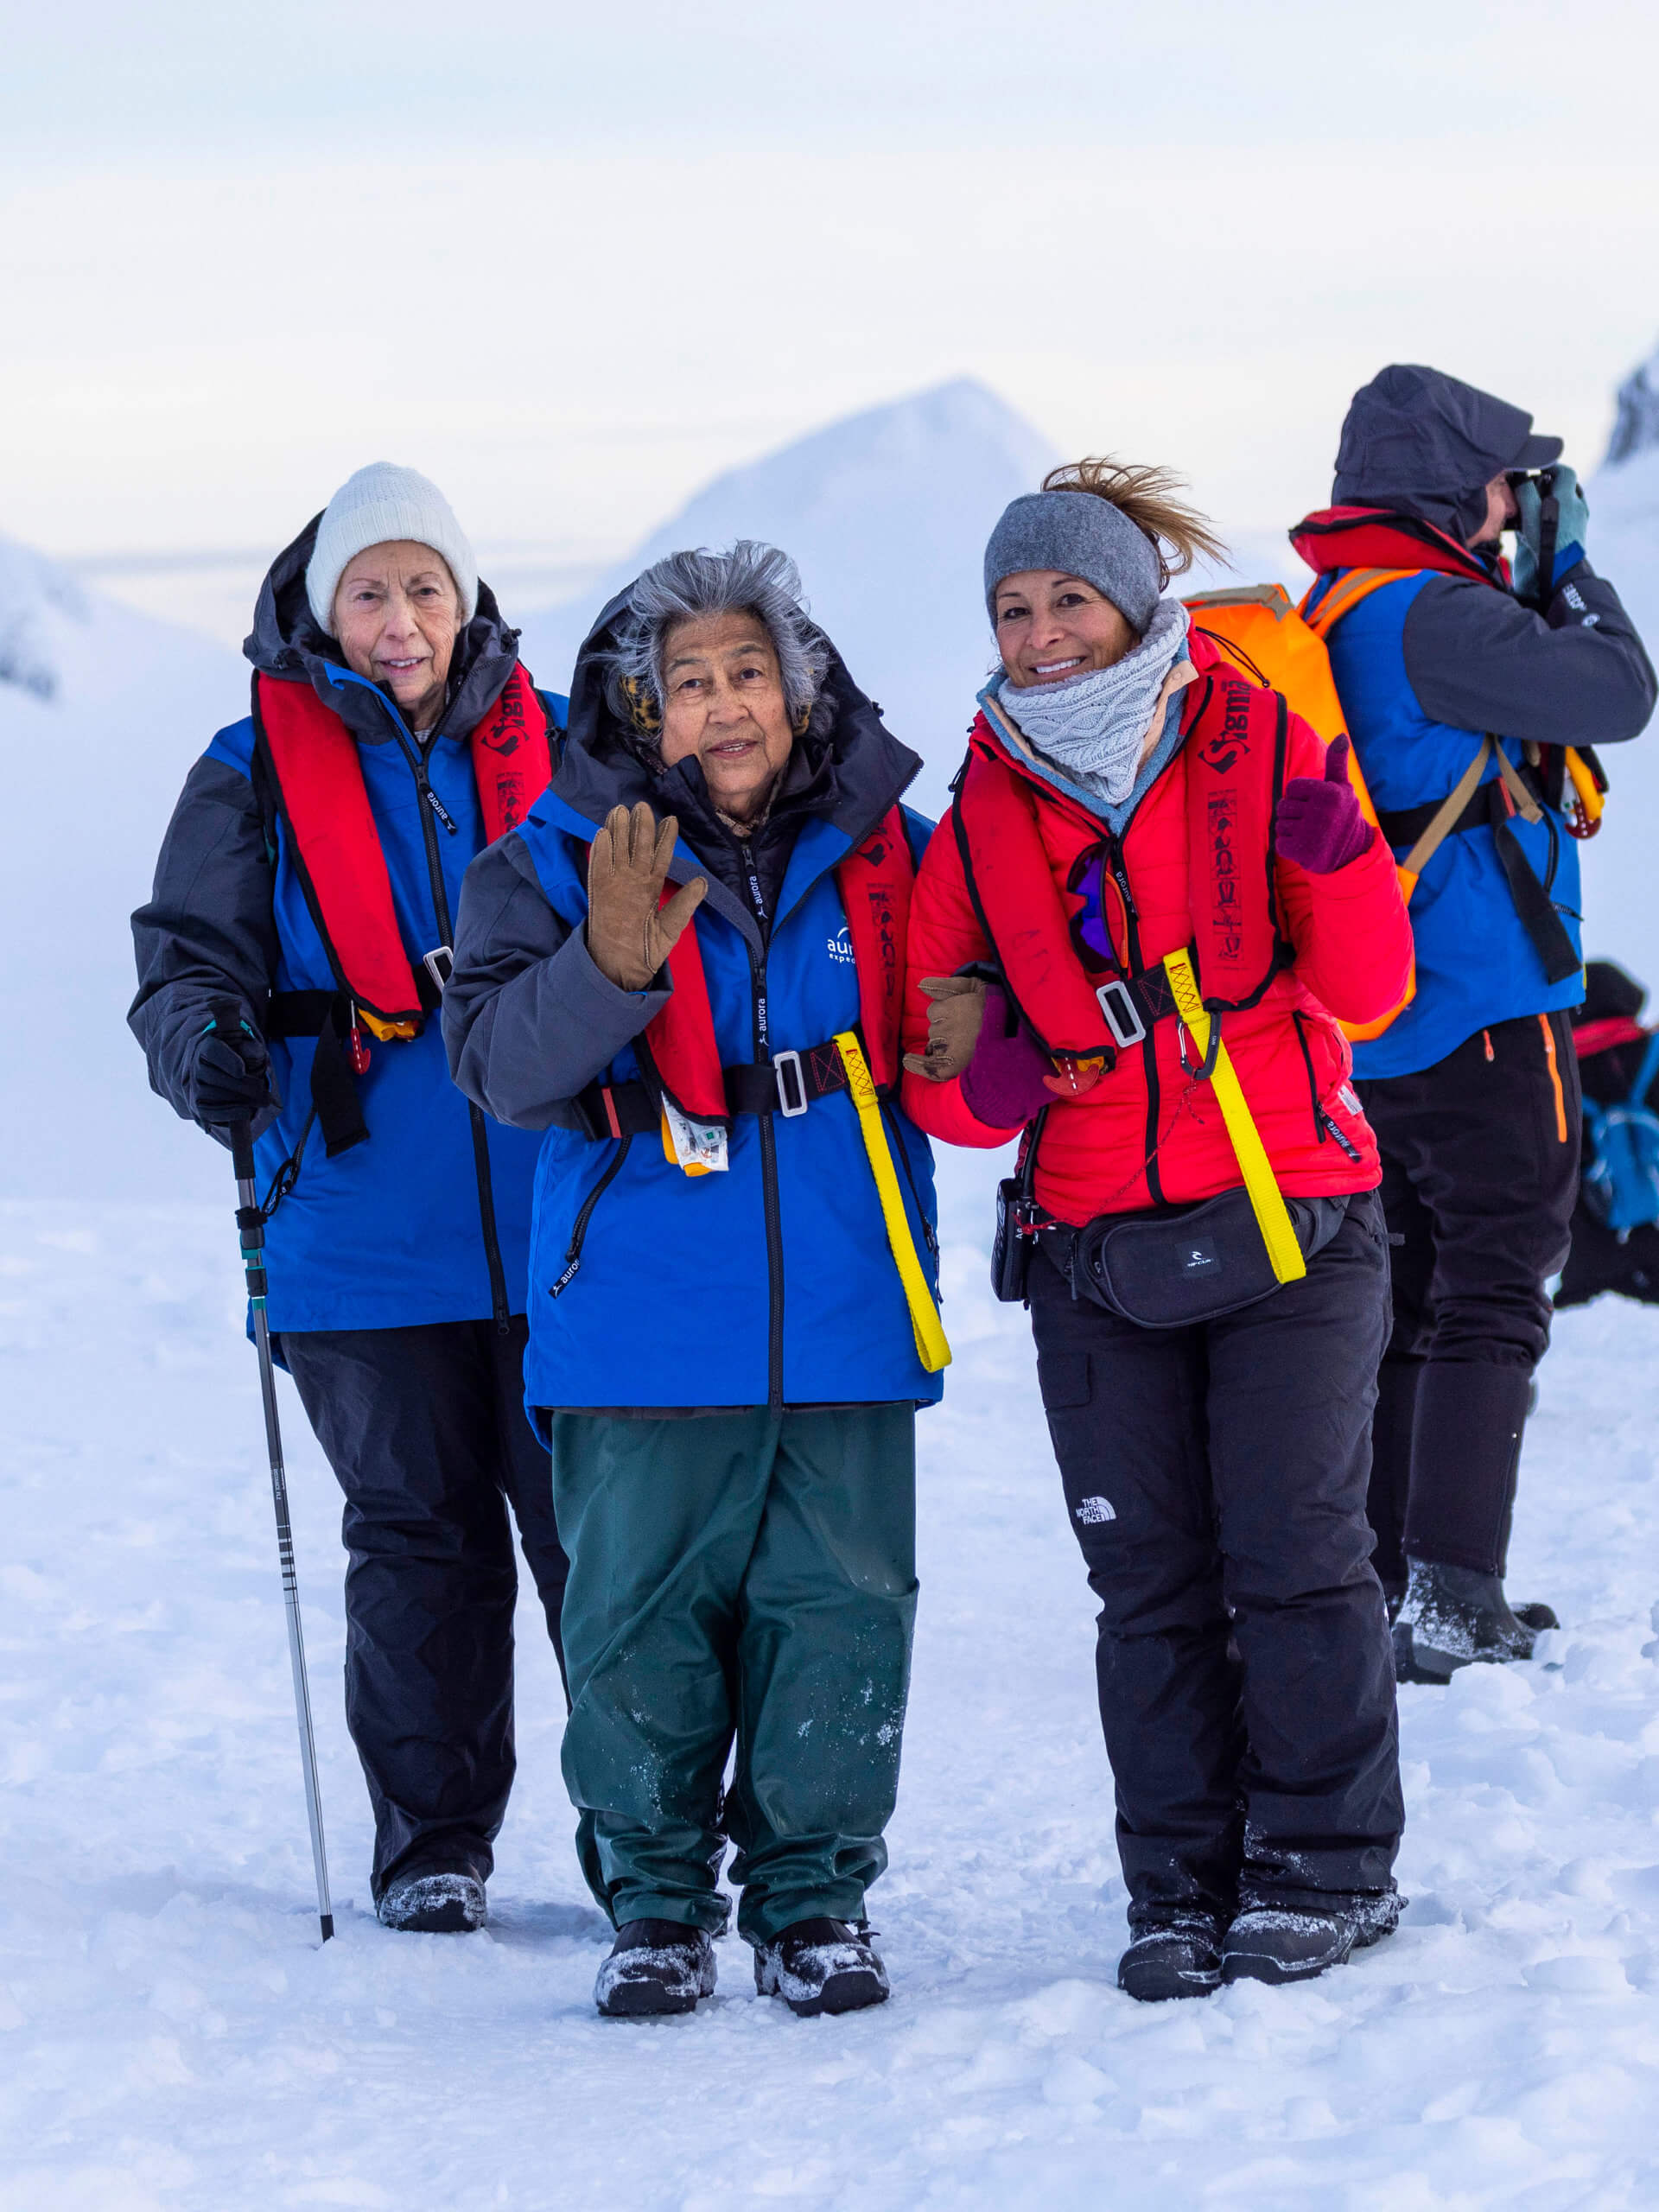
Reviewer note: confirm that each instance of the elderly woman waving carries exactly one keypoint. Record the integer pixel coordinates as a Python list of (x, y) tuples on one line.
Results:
[(1153, 893), (732, 1280)]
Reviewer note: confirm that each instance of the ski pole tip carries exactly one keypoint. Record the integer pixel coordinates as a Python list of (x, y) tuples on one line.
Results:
[(328, 1921)]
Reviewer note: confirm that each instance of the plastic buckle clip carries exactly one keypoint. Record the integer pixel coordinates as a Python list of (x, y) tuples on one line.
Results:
[(1116, 1003), (782, 1063), (440, 965)]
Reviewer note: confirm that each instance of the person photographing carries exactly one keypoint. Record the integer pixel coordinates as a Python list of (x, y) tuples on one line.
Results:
[(1464, 682)]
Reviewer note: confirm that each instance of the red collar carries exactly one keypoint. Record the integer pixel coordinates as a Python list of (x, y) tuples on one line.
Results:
[(1592, 1037), (1378, 537)]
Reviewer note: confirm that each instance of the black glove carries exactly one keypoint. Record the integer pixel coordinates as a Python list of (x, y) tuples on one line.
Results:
[(230, 1077)]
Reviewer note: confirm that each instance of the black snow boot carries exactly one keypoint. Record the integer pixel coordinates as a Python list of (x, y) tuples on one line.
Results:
[(450, 1904), (1277, 1942), (655, 1967), (821, 1966), (1173, 1958), (1456, 1617)]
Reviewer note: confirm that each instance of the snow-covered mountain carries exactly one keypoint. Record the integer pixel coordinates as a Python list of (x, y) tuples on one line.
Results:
[(101, 713), (1621, 894), (886, 514)]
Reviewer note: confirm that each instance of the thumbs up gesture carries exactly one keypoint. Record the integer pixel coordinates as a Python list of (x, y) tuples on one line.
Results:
[(1318, 822), (629, 934)]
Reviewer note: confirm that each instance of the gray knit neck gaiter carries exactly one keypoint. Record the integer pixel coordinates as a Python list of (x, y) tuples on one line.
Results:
[(1093, 726)]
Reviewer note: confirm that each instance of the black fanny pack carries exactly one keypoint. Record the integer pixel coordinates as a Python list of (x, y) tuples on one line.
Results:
[(1167, 1270)]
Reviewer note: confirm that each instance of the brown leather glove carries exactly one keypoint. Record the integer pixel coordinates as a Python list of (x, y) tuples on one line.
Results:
[(953, 1020), (629, 936)]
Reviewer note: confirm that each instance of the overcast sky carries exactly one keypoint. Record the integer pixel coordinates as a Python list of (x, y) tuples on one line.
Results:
[(571, 261)]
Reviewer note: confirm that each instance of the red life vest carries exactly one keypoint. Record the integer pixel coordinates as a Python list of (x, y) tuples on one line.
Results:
[(1020, 844), (875, 880), (321, 795)]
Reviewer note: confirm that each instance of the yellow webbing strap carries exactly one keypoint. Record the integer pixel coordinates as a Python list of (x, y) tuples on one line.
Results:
[(1593, 801), (1357, 584), (930, 1347), (1272, 1215)]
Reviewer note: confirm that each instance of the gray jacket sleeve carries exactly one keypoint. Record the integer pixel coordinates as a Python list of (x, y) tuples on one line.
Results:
[(528, 1019), (1479, 659), (207, 933)]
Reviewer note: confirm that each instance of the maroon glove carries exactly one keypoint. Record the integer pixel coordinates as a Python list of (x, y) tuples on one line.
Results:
[(1318, 822), (1003, 1085)]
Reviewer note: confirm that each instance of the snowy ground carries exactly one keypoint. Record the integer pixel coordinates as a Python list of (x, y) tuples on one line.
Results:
[(172, 2035)]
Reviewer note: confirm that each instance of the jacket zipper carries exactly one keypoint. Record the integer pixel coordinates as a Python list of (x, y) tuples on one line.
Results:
[(584, 1215), (1132, 964), (768, 1145), (1324, 1127), (431, 806)]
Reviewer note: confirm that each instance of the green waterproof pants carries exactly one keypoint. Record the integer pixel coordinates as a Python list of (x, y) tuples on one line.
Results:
[(748, 1575)]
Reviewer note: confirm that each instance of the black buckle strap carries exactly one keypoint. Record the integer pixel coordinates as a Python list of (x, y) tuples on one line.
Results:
[(1488, 809), (1485, 810), (326, 1015), (1131, 1004), (298, 1014), (786, 1085)]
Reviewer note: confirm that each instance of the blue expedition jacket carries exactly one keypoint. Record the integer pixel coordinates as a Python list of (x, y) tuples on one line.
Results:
[(1424, 669), (428, 1221), (651, 1290)]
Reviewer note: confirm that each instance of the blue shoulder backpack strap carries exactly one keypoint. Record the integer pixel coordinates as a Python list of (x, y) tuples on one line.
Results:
[(1637, 1094)]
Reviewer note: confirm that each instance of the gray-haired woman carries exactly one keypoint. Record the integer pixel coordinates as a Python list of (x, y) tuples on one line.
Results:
[(732, 1275)]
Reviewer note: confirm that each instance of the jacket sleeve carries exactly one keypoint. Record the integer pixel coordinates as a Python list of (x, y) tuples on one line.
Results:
[(528, 1019), (1350, 928), (944, 936), (207, 933), (1479, 659)]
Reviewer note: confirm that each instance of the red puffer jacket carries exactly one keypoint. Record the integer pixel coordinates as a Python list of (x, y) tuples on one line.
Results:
[(1149, 1131)]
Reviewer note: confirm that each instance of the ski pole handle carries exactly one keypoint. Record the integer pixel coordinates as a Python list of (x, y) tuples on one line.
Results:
[(242, 1150)]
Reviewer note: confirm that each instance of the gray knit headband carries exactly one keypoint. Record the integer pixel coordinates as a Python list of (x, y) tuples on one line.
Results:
[(1080, 535)]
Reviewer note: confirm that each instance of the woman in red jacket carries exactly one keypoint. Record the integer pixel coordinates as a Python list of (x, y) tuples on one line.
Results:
[(1131, 938)]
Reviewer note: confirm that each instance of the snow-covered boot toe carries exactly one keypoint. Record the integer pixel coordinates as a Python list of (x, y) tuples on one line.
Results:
[(434, 1904), (1176, 1959), (655, 1967), (1458, 1616), (821, 1966), (1280, 1942), (1537, 1616)]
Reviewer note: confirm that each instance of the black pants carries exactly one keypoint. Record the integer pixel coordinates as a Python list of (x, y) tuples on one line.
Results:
[(1602, 1260), (1480, 1173), (426, 1431), (1215, 1476)]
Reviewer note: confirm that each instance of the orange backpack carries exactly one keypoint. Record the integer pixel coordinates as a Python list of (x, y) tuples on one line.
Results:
[(1258, 626)]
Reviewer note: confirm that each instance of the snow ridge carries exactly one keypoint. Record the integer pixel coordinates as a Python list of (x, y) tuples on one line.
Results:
[(885, 513), (1637, 427), (35, 597)]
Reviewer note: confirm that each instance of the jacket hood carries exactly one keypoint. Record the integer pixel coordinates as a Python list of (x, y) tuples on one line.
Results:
[(847, 766), (1418, 440), (285, 641)]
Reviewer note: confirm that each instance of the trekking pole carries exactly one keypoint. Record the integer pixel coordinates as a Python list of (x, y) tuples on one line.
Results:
[(251, 1221)]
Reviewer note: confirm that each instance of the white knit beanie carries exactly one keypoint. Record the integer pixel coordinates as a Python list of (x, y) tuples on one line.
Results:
[(379, 505)]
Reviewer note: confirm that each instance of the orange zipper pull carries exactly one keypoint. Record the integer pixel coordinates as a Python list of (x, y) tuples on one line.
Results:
[(1487, 1034)]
